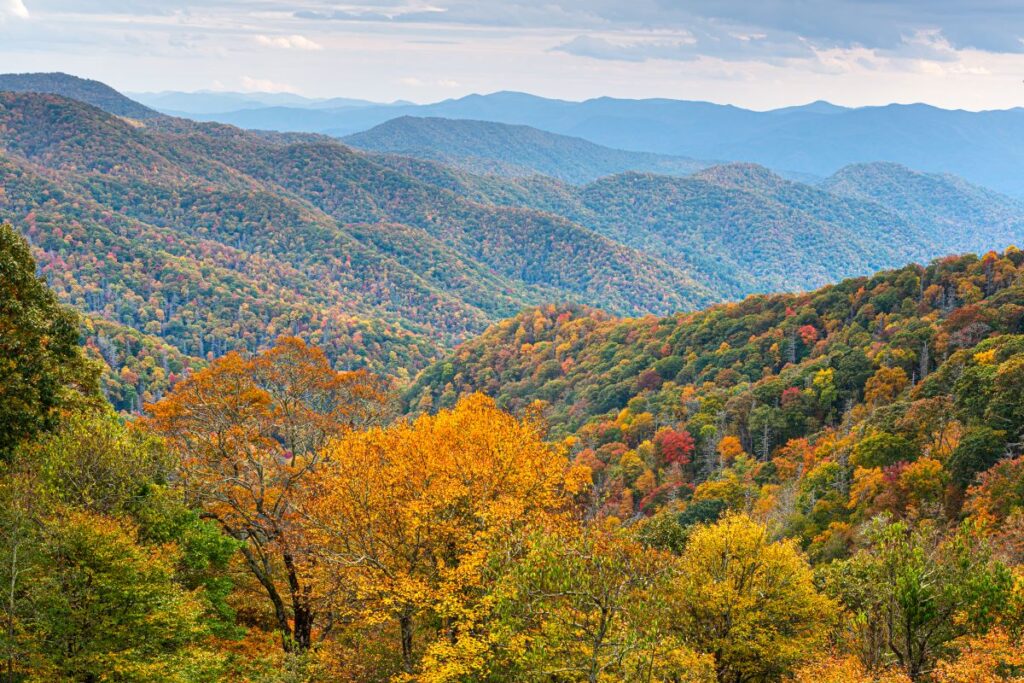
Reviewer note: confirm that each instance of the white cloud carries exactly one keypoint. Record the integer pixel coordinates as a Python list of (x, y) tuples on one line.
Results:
[(13, 8), (250, 84), (414, 82), (292, 42)]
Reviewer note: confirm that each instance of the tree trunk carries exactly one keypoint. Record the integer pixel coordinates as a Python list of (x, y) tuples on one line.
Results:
[(280, 612), (405, 623), (302, 630)]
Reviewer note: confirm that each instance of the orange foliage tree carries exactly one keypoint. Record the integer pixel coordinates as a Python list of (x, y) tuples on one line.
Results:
[(996, 657), (248, 432)]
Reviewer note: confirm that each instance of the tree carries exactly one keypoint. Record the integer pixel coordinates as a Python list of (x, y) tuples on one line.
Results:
[(885, 385), (674, 447), (979, 449), (42, 368), (1006, 410), (593, 606), (996, 657), (845, 669), (248, 433), (748, 601), (882, 449), (916, 592), (410, 519), (106, 608)]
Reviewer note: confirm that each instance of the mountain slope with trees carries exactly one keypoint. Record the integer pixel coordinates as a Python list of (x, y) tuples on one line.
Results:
[(962, 216), (181, 241), (828, 490), (213, 238)]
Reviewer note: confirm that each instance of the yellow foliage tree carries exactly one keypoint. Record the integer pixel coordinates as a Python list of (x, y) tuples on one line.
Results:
[(748, 601), (410, 520), (594, 606)]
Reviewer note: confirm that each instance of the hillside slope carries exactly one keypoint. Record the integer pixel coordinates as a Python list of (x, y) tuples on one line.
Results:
[(964, 217), (586, 366), (208, 238), (91, 92), (213, 238)]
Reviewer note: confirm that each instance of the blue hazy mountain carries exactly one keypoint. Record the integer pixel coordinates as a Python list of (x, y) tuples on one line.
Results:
[(206, 102), (486, 147), (816, 139)]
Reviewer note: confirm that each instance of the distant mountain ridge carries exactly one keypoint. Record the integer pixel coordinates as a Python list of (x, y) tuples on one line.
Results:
[(817, 139), (215, 101), (486, 147)]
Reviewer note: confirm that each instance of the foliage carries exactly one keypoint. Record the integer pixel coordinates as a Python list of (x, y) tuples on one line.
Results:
[(913, 592), (748, 602), (412, 522), (42, 368), (248, 433), (595, 607)]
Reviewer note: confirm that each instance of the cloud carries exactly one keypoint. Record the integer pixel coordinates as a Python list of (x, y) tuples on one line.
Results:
[(292, 42), (728, 46), (414, 82), (13, 8), (993, 26), (250, 84)]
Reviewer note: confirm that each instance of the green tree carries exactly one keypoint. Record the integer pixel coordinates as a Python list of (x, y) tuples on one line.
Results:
[(883, 449), (104, 608), (913, 591), (42, 367), (978, 450), (593, 606)]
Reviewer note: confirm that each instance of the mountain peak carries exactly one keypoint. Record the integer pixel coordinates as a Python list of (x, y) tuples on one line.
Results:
[(742, 174)]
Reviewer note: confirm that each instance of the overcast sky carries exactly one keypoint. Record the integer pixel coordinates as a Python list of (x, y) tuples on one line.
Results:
[(753, 53)]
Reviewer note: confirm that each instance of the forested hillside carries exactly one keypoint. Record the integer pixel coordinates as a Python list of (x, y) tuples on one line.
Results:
[(960, 215), (85, 90), (181, 241), (864, 379), (812, 488), (215, 239), (489, 148)]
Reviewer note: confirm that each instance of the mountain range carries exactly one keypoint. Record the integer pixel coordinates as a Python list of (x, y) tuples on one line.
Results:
[(816, 139), (183, 240)]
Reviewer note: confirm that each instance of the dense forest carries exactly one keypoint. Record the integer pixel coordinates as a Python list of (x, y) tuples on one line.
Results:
[(181, 241), (273, 410), (810, 488)]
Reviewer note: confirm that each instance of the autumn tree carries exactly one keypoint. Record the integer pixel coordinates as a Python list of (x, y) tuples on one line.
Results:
[(748, 601), (248, 433), (995, 657), (411, 518), (845, 669)]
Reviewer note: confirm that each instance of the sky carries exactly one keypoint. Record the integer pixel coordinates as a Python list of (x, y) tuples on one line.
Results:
[(758, 54)]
